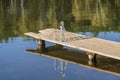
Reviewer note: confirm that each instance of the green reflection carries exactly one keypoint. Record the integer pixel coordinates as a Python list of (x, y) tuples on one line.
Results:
[(20, 16)]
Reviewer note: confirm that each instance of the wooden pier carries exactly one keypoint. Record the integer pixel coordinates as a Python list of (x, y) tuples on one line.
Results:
[(90, 44)]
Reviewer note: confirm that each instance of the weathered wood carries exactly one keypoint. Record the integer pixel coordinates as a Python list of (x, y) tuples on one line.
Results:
[(41, 45), (93, 45), (92, 59)]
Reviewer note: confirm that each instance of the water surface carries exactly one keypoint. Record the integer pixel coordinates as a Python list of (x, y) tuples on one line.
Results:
[(96, 18)]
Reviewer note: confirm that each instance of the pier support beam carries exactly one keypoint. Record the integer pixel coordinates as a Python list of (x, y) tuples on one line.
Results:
[(92, 59), (41, 45)]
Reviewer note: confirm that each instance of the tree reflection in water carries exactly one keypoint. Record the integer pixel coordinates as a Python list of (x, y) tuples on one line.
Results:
[(20, 16)]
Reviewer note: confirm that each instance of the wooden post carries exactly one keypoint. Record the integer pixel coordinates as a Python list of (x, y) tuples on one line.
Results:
[(92, 59), (41, 45)]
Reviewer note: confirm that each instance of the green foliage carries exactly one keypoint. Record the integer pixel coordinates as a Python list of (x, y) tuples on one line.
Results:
[(17, 17)]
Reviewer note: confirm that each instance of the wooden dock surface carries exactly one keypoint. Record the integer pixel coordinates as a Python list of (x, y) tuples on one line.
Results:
[(91, 44)]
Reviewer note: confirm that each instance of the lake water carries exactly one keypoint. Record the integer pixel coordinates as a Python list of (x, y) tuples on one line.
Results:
[(19, 57)]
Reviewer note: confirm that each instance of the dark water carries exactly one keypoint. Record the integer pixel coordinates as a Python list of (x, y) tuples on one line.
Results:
[(98, 18)]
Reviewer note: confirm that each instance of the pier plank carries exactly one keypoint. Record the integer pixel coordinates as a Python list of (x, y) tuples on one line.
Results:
[(91, 44)]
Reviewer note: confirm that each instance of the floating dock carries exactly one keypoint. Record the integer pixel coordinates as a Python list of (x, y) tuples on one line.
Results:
[(90, 44)]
